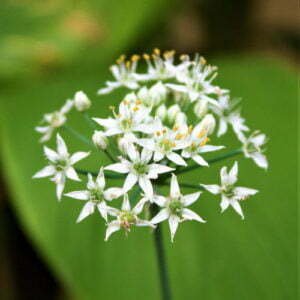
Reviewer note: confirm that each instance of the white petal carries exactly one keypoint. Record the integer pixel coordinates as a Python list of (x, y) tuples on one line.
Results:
[(176, 159), (60, 188), (210, 148), (188, 214), (222, 127), (101, 179), (147, 143), (87, 210), (111, 228), (126, 203), (146, 186), (174, 188), (45, 172), (224, 203), (146, 155), (50, 154), (139, 206), (91, 184), (61, 146), (108, 123), (71, 173), (102, 208), (112, 193), (130, 181), (242, 192), (143, 223), (212, 188), (173, 224), (159, 169), (118, 167), (78, 156), (133, 153), (160, 200), (158, 156), (236, 206), (161, 216), (200, 160), (190, 198), (80, 195), (234, 172), (260, 159)]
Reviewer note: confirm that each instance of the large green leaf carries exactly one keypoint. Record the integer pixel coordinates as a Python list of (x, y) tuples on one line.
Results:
[(227, 258)]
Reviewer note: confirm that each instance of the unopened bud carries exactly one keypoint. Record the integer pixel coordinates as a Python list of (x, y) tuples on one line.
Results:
[(180, 119), (161, 112), (208, 123), (100, 140), (81, 101), (172, 112), (200, 108)]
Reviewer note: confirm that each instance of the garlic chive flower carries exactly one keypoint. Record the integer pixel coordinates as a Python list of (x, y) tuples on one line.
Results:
[(53, 121), (95, 196), (139, 169), (126, 217), (253, 148), (170, 116), (230, 195), (60, 165), (174, 207)]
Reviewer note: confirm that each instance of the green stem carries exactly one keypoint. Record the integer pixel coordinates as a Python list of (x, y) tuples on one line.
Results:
[(184, 184), (161, 258), (89, 120), (78, 135), (210, 161)]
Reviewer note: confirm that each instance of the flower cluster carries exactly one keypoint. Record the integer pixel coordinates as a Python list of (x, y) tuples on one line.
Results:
[(162, 128)]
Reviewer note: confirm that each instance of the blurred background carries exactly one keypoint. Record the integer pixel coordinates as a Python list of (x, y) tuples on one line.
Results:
[(50, 49)]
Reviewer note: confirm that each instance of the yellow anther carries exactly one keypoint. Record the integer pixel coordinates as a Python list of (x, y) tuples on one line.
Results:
[(135, 57), (202, 133), (183, 57), (179, 136), (169, 54), (126, 102), (202, 60), (158, 133), (205, 140), (164, 130), (121, 59), (146, 56), (135, 108), (156, 51), (175, 128), (138, 102), (190, 128), (128, 64)]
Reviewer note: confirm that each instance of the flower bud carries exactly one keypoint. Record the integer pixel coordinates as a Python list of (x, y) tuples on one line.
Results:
[(172, 112), (81, 101), (180, 119), (161, 112), (208, 123), (158, 93), (200, 108), (100, 140)]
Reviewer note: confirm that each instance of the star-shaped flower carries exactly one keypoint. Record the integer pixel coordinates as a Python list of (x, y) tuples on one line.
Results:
[(126, 217), (230, 195), (253, 148), (174, 207), (53, 121), (96, 196), (139, 169), (60, 165)]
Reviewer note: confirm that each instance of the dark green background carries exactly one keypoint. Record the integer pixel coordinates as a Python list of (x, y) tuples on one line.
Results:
[(226, 258)]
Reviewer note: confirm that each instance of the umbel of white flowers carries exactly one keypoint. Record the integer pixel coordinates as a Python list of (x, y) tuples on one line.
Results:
[(150, 140)]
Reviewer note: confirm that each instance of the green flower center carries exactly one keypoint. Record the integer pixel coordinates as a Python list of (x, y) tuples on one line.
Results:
[(229, 191), (140, 168), (60, 165), (175, 207), (166, 145), (126, 124), (127, 219), (96, 195)]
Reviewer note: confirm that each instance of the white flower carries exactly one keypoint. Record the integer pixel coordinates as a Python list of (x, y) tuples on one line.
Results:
[(253, 148), (54, 120), (159, 68), (154, 96), (100, 139), (124, 74), (197, 144), (139, 169), (132, 117), (81, 101), (60, 165), (174, 207), (225, 110), (172, 112), (164, 143), (96, 196), (230, 195), (201, 108), (195, 81), (161, 112), (126, 217)]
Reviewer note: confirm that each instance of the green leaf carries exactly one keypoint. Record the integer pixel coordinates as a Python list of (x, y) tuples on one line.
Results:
[(226, 258)]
